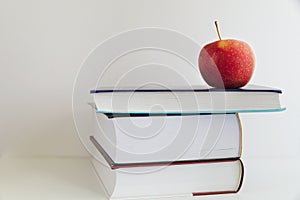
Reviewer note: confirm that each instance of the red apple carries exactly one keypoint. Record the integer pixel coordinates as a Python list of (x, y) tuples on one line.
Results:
[(226, 63)]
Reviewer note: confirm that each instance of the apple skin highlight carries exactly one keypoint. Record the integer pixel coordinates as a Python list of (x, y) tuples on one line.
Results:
[(227, 64)]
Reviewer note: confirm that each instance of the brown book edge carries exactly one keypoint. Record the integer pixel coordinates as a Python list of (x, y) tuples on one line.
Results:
[(225, 192), (114, 165)]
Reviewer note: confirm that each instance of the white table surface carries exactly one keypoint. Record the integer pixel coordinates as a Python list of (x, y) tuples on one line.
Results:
[(48, 178)]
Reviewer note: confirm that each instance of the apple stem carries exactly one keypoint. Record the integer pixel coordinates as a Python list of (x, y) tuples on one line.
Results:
[(217, 27)]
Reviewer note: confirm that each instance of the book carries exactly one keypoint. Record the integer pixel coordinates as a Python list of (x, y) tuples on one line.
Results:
[(170, 180), (166, 139), (197, 99)]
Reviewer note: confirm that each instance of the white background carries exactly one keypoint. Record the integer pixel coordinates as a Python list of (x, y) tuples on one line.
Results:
[(43, 43)]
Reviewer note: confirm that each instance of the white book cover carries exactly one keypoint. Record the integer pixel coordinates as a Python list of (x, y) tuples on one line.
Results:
[(167, 138), (184, 179), (196, 99)]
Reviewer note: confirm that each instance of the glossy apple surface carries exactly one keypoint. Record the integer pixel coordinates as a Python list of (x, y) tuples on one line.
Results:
[(227, 63)]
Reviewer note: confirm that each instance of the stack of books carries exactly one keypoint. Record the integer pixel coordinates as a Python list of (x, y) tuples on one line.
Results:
[(154, 142)]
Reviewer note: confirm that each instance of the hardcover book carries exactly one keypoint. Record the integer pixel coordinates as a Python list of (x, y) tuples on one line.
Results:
[(172, 138), (197, 99), (182, 179)]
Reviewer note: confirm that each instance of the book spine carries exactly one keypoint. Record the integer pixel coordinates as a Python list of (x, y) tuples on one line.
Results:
[(241, 133), (225, 192)]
